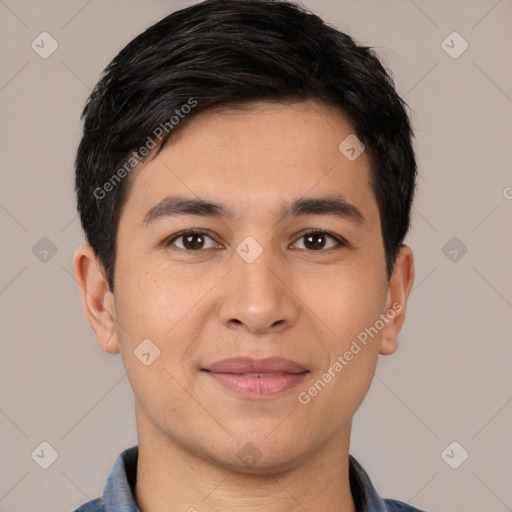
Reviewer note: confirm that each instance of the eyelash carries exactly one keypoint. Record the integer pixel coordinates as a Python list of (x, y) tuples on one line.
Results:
[(339, 240)]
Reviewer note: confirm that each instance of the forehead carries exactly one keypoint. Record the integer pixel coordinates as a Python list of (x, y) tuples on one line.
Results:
[(257, 157)]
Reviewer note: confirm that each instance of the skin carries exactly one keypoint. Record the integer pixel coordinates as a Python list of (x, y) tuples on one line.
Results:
[(201, 306)]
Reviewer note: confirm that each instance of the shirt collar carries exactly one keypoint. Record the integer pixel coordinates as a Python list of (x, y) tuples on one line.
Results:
[(119, 493), (364, 494)]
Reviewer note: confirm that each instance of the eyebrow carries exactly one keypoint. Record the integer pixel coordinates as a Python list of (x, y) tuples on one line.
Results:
[(330, 205)]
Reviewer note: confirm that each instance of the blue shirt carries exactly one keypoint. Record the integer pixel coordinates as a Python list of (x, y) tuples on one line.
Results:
[(119, 492)]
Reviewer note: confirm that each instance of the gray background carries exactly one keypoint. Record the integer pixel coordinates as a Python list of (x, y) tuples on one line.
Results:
[(450, 379)]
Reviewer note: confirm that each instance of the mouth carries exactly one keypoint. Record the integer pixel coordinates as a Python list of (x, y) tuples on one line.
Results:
[(252, 378)]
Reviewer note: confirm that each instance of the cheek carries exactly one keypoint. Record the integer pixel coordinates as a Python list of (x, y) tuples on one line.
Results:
[(168, 307), (339, 387), (350, 304), (149, 299), (347, 300), (156, 325)]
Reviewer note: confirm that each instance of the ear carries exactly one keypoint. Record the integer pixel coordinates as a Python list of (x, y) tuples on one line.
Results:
[(98, 299), (399, 288)]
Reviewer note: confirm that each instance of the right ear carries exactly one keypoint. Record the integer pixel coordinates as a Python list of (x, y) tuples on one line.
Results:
[(98, 299)]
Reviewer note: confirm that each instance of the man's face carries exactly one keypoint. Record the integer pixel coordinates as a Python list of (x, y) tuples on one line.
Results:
[(213, 296)]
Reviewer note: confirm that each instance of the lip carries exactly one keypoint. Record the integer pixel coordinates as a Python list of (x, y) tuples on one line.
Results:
[(239, 365), (252, 378)]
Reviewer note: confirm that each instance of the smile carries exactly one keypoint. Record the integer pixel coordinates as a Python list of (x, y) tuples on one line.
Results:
[(257, 378)]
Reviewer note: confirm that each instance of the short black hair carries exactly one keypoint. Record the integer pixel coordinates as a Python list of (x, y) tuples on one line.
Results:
[(228, 53)]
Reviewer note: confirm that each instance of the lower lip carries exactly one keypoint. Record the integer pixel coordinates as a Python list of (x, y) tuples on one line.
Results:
[(258, 387)]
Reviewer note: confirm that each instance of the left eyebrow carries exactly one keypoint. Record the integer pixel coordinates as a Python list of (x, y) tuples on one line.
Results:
[(333, 205), (330, 205)]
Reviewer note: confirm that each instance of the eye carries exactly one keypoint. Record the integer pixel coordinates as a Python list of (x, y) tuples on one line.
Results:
[(316, 240), (192, 240), (196, 240)]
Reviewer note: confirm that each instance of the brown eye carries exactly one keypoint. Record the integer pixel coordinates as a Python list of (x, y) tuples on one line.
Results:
[(318, 240), (192, 241)]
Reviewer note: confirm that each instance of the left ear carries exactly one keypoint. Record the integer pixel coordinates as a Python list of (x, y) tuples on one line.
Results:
[(399, 288)]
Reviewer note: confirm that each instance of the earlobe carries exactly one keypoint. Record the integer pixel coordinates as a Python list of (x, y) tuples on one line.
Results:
[(97, 298), (399, 288)]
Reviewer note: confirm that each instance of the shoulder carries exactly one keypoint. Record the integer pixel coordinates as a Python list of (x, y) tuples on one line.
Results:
[(398, 506), (91, 506)]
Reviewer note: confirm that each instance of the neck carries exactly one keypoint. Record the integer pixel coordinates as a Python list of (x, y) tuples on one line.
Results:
[(171, 477)]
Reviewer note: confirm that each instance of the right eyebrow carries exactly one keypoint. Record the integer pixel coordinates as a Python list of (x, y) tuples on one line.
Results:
[(171, 206)]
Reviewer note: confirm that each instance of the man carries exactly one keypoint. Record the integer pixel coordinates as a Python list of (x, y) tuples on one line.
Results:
[(245, 180)]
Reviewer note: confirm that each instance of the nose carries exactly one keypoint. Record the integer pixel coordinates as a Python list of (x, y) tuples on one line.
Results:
[(257, 297)]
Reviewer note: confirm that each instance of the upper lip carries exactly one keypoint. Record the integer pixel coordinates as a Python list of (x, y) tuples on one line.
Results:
[(241, 365)]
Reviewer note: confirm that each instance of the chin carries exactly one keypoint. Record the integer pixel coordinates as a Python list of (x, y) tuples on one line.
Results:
[(261, 454)]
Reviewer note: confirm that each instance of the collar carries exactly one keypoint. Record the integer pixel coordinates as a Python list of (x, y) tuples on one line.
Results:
[(119, 492)]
